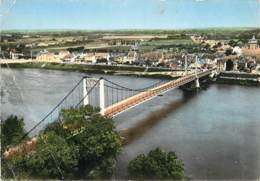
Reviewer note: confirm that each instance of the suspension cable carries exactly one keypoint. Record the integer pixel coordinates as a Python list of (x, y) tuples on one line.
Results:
[(130, 89), (34, 127), (122, 88)]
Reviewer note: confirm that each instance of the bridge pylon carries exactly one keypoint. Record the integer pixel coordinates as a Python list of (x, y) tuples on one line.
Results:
[(88, 84), (102, 96), (85, 92), (197, 81)]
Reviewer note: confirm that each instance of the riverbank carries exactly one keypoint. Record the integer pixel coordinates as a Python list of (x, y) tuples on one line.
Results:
[(100, 69), (246, 79), (233, 78)]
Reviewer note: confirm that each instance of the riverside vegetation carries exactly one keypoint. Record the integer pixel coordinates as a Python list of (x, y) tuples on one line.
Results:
[(83, 145)]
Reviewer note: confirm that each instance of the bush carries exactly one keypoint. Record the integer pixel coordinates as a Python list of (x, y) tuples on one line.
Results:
[(157, 164), (12, 130)]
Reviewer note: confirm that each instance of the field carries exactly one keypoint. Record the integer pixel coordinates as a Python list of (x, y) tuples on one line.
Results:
[(98, 40)]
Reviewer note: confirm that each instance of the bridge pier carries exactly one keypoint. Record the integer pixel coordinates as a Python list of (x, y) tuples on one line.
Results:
[(102, 96)]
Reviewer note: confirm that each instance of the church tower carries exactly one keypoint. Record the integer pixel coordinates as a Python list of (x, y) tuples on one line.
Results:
[(252, 43)]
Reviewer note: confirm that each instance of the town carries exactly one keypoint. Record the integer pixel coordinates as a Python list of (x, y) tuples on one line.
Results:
[(237, 51)]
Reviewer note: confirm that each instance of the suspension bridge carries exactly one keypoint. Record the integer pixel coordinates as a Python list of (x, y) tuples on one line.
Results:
[(112, 99)]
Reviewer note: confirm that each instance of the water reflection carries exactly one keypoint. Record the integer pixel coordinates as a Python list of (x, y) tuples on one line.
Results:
[(143, 125)]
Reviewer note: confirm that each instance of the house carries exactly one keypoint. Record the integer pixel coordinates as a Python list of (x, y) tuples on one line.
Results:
[(131, 57), (63, 54), (69, 58), (252, 50), (89, 58), (46, 57), (93, 57), (16, 55)]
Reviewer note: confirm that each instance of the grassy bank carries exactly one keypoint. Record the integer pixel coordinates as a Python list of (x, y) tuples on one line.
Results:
[(97, 69)]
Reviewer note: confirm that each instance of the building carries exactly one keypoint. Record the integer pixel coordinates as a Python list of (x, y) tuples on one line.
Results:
[(47, 57), (252, 50), (132, 57), (89, 58), (96, 57), (16, 55), (63, 54), (252, 43)]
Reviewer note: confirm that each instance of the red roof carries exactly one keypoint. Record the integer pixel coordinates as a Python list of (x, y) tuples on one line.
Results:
[(251, 52)]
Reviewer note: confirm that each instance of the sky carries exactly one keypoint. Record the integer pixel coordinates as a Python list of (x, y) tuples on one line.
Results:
[(128, 14)]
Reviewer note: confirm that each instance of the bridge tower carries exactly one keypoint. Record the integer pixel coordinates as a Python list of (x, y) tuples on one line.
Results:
[(197, 82), (186, 64), (102, 96), (85, 92), (88, 83)]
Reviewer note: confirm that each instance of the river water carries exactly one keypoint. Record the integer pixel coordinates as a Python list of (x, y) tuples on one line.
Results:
[(216, 132)]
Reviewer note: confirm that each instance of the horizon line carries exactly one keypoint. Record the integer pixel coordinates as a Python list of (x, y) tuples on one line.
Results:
[(128, 29)]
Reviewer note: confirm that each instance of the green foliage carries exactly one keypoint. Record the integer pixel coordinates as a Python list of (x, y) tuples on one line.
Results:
[(229, 52), (57, 128), (52, 156), (157, 165), (104, 170), (52, 159), (98, 143), (12, 130), (232, 43), (77, 118), (83, 145)]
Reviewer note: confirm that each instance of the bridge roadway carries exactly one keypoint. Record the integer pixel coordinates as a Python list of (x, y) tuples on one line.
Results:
[(133, 101)]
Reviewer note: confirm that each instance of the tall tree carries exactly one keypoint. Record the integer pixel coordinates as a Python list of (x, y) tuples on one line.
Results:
[(157, 164), (12, 130)]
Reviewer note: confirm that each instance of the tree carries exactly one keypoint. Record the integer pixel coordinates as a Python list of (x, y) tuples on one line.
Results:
[(229, 51), (98, 143), (53, 158), (12, 130), (95, 138), (232, 43), (83, 145), (157, 164)]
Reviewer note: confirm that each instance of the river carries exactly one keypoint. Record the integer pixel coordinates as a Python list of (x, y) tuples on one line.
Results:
[(216, 132)]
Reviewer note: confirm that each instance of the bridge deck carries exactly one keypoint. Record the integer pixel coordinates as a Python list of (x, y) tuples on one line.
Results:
[(123, 105)]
